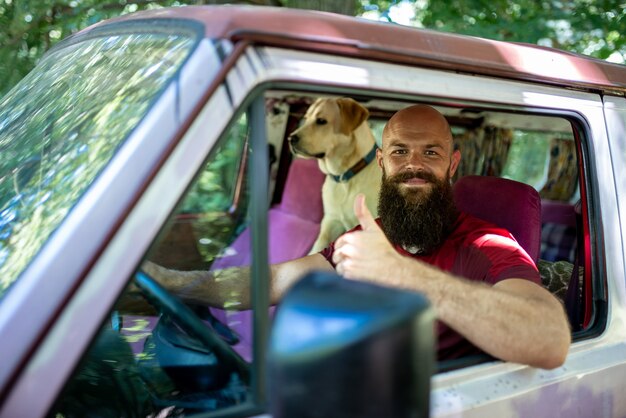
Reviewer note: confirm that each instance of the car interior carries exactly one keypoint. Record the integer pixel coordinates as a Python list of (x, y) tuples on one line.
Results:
[(520, 169)]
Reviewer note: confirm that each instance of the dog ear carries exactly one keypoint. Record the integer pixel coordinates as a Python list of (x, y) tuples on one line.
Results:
[(352, 114)]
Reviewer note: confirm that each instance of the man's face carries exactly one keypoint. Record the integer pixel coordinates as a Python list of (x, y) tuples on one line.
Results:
[(417, 140), (415, 206)]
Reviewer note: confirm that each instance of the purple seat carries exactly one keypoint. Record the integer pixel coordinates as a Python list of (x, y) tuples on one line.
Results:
[(507, 203), (302, 196), (295, 222), (558, 231), (561, 213), (293, 225)]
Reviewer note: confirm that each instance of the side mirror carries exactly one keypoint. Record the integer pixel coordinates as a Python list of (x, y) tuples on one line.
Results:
[(343, 348)]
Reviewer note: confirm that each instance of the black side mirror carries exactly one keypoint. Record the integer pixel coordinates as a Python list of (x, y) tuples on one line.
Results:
[(341, 348)]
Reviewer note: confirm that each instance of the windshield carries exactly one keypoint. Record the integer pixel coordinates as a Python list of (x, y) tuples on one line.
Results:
[(62, 124)]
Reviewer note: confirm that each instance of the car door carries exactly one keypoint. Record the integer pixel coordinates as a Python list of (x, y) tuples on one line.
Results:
[(596, 356)]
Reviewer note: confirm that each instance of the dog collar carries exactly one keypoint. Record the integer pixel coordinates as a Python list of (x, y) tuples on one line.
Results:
[(360, 165)]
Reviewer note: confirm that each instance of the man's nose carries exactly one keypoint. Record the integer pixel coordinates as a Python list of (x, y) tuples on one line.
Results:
[(415, 162)]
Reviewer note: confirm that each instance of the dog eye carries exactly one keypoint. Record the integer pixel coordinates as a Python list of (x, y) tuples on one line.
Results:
[(320, 121)]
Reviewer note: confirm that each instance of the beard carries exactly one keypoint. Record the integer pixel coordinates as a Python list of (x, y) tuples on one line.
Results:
[(416, 217)]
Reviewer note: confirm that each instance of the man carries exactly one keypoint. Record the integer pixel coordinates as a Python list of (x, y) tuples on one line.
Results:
[(484, 287)]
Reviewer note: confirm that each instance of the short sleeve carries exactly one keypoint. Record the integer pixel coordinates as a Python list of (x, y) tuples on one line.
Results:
[(507, 259), (328, 252)]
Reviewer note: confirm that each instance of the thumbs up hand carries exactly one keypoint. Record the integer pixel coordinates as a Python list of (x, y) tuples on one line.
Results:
[(365, 254)]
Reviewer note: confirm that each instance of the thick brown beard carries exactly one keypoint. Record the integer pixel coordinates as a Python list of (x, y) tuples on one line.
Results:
[(416, 217)]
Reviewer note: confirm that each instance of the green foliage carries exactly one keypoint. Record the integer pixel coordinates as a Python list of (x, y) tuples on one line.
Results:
[(598, 28), (214, 188), (522, 20), (31, 27), (60, 127), (216, 203), (528, 157), (585, 26)]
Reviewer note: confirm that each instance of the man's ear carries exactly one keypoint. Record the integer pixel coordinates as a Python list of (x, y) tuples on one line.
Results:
[(454, 163), (379, 157), (352, 114)]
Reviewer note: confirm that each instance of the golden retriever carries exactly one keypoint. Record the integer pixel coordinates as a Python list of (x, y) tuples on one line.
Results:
[(335, 131)]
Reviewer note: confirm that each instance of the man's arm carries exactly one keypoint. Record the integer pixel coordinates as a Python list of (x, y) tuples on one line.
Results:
[(230, 287), (514, 320)]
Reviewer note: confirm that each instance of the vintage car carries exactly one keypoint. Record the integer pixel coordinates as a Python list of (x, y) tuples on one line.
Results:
[(162, 136)]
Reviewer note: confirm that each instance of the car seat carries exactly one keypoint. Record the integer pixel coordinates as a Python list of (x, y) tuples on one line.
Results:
[(293, 226), (558, 231), (507, 203)]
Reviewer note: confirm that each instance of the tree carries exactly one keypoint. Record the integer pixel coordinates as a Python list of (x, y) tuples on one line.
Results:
[(31, 27), (585, 26)]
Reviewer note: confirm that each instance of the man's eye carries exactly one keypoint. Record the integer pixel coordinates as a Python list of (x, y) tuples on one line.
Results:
[(399, 151), (321, 121), (429, 152)]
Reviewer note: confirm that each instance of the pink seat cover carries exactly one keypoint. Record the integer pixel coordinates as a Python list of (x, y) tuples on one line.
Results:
[(507, 203)]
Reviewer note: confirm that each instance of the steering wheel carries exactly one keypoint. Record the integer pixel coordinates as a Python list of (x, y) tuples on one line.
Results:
[(190, 323)]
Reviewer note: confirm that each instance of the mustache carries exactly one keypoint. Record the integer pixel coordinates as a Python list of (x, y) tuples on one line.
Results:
[(407, 175)]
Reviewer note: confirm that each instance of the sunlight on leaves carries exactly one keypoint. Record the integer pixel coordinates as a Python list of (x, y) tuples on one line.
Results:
[(63, 123)]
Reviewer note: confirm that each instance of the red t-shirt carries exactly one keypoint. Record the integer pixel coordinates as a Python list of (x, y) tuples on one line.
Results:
[(476, 250)]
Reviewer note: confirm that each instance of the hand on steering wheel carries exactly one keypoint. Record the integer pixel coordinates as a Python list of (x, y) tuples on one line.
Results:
[(189, 322)]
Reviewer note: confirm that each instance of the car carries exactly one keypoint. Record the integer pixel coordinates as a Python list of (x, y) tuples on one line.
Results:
[(162, 136)]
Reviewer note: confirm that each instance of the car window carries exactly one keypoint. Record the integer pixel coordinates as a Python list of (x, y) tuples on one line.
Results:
[(148, 358), (62, 124), (528, 159), (541, 152), (536, 149), (213, 209)]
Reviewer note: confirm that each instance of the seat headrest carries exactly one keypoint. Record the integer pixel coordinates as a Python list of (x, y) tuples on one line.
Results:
[(555, 212), (507, 203)]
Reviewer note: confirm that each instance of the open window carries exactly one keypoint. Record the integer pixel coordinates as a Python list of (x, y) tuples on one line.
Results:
[(212, 230), (157, 353), (541, 149)]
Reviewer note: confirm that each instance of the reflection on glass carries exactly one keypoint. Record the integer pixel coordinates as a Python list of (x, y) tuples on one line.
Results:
[(61, 125), (159, 356)]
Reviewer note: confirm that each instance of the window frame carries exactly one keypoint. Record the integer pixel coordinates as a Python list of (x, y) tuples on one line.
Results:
[(582, 108)]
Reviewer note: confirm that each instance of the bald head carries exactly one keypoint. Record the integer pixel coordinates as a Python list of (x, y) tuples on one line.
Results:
[(417, 120), (418, 138)]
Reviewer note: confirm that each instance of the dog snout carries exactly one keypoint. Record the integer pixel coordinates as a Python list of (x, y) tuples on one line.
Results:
[(294, 139)]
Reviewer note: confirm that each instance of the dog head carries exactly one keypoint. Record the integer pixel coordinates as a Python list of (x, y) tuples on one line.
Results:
[(327, 128)]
